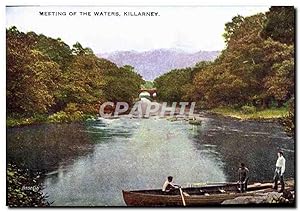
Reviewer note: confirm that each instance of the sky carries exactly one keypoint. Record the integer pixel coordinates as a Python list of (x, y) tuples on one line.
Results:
[(189, 29)]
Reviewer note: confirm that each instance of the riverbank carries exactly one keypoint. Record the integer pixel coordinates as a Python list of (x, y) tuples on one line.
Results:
[(267, 197), (59, 117), (251, 113), (24, 188), (66, 117)]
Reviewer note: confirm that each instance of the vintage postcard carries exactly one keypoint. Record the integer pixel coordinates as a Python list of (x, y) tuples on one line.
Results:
[(146, 106)]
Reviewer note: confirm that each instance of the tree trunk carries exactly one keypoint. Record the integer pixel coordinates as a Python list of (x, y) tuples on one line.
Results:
[(280, 103), (266, 103)]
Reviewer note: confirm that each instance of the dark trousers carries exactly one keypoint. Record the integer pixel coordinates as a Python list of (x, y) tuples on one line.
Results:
[(172, 191), (277, 177), (243, 184)]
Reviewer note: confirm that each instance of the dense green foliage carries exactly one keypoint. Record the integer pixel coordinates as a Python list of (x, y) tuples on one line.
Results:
[(171, 85), (148, 85), (280, 24), (121, 84), (289, 121), (256, 69), (176, 85), (24, 188), (47, 77)]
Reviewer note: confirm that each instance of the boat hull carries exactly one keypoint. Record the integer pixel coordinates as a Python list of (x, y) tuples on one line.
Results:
[(133, 199), (144, 199)]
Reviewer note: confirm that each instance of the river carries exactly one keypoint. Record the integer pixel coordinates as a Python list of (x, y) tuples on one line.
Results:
[(88, 164)]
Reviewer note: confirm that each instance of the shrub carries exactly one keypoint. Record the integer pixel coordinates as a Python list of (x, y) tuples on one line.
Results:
[(76, 116), (24, 188), (60, 116), (71, 108), (246, 109), (63, 116)]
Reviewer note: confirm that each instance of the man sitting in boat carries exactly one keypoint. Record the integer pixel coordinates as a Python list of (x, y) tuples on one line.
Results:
[(243, 177), (168, 186)]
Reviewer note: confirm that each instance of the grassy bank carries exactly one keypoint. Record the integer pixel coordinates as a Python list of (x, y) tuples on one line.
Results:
[(249, 113), (59, 117)]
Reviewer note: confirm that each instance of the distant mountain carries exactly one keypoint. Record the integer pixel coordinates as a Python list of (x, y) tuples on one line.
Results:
[(151, 64)]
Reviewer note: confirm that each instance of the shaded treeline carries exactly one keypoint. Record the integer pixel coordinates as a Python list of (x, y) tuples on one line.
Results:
[(45, 76), (256, 67)]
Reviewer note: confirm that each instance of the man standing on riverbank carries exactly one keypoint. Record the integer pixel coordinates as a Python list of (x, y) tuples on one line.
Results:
[(243, 177), (279, 170)]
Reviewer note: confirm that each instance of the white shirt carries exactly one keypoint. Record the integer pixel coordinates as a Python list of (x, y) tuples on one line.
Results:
[(281, 163), (166, 184)]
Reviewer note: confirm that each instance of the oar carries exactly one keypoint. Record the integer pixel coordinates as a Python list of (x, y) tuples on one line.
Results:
[(182, 197), (212, 183)]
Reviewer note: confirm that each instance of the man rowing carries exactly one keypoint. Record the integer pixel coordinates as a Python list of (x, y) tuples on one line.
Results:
[(169, 186)]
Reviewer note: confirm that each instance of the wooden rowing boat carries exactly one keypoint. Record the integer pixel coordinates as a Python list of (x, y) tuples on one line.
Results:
[(193, 196)]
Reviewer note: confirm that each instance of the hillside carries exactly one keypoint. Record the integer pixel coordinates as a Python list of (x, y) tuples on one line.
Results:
[(151, 64)]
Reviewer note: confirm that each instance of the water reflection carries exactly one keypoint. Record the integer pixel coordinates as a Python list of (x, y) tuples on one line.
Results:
[(47, 146), (254, 143), (157, 148), (89, 164)]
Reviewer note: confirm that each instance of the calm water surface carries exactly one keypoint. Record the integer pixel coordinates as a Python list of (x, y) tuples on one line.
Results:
[(88, 164)]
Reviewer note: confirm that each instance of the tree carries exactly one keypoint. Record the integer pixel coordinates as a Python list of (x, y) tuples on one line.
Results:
[(32, 78), (234, 77), (256, 67), (280, 25), (122, 85), (55, 49), (128, 68), (280, 81), (231, 27), (251, 70), (148, 85), (79, 50), (170, 86)]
